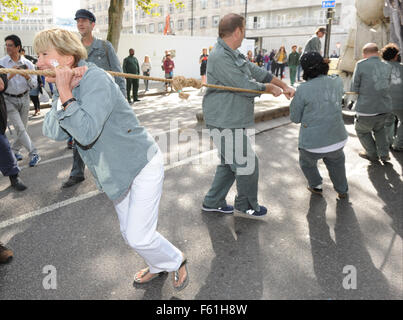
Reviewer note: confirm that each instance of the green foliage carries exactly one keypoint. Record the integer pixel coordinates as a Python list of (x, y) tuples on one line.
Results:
[(12, 9), (148, 5)]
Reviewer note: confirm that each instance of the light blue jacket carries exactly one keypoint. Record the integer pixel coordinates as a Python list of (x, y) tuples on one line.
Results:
[(396, 85), (110, 139), (104, 56), (229, 109), (371, 80), (317, 106)]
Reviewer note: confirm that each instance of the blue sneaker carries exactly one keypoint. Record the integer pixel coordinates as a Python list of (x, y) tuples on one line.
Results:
[(251, 212), (34, 160), (18, 156), (226, 209)]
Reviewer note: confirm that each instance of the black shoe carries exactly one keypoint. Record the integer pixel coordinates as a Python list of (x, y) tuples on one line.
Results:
[(17, 184), (72, 181), (137, 100)]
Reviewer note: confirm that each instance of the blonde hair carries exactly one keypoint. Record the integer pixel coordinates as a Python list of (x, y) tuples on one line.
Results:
[(63, 41)]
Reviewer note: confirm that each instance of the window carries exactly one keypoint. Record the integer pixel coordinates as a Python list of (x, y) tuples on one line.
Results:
[(216, 3), (151, 28), (216, 21), (160, 27), (171, 8), (180, 24), (161, 10), (203, 4), (171, 25), (230, 3), (203, 22), (191, 23)]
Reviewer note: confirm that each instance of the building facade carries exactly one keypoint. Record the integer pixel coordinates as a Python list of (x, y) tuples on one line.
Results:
[(39, 20), (271, 23)]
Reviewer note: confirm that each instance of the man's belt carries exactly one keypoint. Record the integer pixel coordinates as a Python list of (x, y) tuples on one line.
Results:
[(16, 95)]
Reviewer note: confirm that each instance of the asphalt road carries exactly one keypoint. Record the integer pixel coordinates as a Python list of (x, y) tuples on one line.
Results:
[(299, 251)]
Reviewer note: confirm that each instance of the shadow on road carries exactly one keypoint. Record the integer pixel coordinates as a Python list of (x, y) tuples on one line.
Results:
[(330, 257), (389, 186), (236, 270)]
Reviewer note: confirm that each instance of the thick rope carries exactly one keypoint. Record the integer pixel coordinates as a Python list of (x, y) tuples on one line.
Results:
[(178, 82)]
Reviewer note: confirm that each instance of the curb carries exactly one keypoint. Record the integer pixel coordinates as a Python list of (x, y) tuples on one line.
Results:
[(278, 112), (260, 116)]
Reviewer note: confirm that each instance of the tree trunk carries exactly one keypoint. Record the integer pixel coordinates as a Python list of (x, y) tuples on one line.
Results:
[(115, 16)]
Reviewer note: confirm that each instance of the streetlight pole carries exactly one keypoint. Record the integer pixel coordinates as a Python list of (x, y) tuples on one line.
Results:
[(191, 21), (329, 16), (246, 14)]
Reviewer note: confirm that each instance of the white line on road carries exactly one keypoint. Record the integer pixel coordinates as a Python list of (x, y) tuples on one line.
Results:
[(52, 207), (51, 160)]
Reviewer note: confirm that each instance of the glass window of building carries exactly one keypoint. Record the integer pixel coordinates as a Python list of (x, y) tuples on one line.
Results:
[(160, 27), (216, 3), (180, 24), (216, 21), (203, 4), (151, 28), (203, 22)]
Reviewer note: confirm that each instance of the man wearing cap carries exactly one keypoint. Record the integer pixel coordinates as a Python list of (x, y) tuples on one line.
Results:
[(17, 99), (371, 81), (313, 43), (102, 54)]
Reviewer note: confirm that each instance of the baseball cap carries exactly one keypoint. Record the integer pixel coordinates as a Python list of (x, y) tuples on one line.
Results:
[(85, 14)]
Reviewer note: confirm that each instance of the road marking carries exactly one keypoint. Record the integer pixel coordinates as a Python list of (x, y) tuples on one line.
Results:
[(50, 160), (52, 207), (88, 195)]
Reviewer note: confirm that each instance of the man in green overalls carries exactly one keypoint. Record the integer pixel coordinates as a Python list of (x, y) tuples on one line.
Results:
[(131, 65), (293, 62), (371, 80), (228, 114)]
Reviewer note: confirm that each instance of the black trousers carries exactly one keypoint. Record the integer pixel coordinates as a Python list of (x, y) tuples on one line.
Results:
[(35, 101), (8, 163), (132, 84)]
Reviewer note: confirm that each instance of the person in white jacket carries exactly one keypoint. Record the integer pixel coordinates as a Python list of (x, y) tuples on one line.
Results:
[(146, 69)]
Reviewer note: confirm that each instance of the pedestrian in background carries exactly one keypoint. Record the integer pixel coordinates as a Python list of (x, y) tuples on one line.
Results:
[(131, 66), (281, 61), (293, 62), (250, 56), (313, 44), (299, 69), (273, 62), (146, 69), (17, 100), (8, 162), (317, 107), (34, 96), (391, 54), (169, 66)]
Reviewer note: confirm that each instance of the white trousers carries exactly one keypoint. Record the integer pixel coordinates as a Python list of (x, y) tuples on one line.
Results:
[(138, 217)]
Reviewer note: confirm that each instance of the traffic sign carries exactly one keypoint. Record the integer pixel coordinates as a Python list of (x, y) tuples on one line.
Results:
[(328, 4)]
